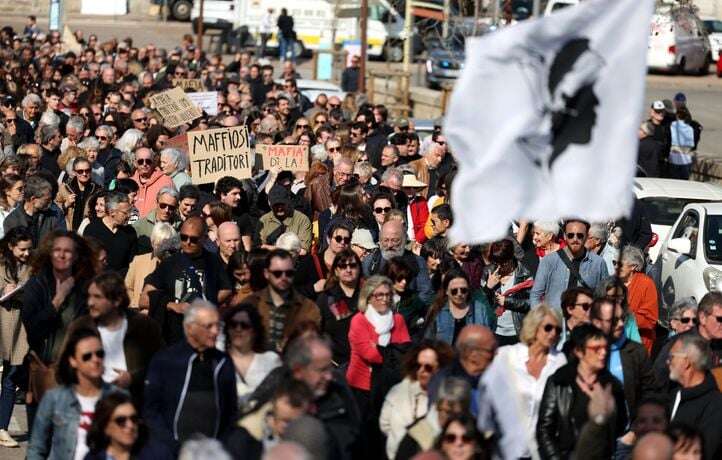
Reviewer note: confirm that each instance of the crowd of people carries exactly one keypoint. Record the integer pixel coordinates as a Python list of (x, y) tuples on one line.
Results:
[(309, 315)]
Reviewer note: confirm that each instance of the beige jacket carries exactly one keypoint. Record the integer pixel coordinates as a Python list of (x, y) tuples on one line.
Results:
[(140, 267), (13, 339)]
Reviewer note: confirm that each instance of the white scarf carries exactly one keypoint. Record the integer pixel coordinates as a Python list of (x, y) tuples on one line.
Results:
[(382, 323)]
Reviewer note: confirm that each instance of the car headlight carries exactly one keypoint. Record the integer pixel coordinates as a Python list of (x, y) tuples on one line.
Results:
[(712, 279), (429, 66)]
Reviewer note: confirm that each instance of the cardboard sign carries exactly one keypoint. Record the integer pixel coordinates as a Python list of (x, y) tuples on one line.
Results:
[(70, 43), (288, 157), (207, 101), (215, 153), (175, 107), (188, 83)]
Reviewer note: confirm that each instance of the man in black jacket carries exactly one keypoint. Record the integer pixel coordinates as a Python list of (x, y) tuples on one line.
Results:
[(108, 156), (650, 152), (34, 211), (50, 139), (563, 408), (662, 133), (698, 402)]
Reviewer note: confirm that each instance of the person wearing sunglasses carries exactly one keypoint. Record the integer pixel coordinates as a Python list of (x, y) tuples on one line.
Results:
[(314, 268), (405, 299), (245, 344), (682, 316), (338, 302), (114, 233), (150, 180), (408, 400), (375, 332), (108, 155), (641, 294), (166, 211), (73, 196), (118, 432), (284, 218), (568, 267), (459, 439), (525, 368), (576, 303), (66, 412)]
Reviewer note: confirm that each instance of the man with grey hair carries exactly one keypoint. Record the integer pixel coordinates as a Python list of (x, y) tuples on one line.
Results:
[(597, 243), (31, 109), (650, 152), (74, 131), (173, 163), (50, 139), (698, 401), (113, 232), (166, 210), (191, 386), (426, 168), (34, 212), (108, 155)]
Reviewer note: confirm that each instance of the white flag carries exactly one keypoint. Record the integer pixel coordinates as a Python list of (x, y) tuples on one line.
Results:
[(544, 119)]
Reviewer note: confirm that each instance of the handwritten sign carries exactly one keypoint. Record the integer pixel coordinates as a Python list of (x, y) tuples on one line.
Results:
[(288, 157), (175, 107), (215, 153), (206, 101), (188, 83)]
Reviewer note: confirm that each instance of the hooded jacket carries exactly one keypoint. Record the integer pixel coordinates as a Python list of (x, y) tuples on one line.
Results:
[(145, 199), (701, 407)]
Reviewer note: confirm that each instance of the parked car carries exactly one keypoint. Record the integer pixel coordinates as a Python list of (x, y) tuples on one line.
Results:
[(663, 200), (713, 27), (678, 42), (444, 63), (691, 256)]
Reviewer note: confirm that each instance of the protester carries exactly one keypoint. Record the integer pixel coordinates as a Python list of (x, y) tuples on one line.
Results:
[(164, 212), (459, 439), (34, 212), (682, 316), (172, 163), (113, 232), (150, 180), (73, 196), (576, 303), (164, 241)]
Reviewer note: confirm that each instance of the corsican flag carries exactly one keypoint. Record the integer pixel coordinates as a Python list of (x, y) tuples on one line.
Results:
[(544, 119)]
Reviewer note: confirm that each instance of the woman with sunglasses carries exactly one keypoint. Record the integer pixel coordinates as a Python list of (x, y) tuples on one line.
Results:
[(641, 294), (339, 302), (66, 412), (682, 316), (245, 344), (74, 195), (12, 188), (405, 299), (457, 306), (526, 366), (374, 336), (576, 304), (408, 400), (118, 433), (459, 439)]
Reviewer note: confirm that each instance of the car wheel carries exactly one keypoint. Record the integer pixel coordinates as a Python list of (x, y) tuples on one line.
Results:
[(705, 67), (181, 10), (681, 66), (393, 51)]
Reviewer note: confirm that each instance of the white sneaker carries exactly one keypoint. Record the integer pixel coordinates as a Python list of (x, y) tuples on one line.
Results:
[(6, 440)]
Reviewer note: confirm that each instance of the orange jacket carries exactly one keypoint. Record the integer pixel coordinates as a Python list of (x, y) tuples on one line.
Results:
[(145, 200), (644, 304)]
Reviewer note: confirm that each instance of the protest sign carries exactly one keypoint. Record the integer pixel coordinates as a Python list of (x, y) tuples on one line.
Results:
[(70, 43), (188, 83), (288, 157), (215, 153), (175, 107), (207, 101)]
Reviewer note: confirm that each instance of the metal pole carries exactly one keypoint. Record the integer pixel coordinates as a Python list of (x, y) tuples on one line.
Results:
[(447, 16), (495, 20), (477, 13), (536, 8), (199, 38), (408, 50), (363, 23)]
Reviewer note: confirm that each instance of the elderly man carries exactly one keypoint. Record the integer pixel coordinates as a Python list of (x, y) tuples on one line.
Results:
[(50, 139), (426, 168), (17, 130), (31, 109), (179, 279), (108, 156), (698, 401), (597, 242), (139, 119), (74, 131), (165, 211), (150, 180), (342, 172), (283, 218), (190, 387), (392, 242), (229, 241), (113, 232), (34, 211), (389, 158)]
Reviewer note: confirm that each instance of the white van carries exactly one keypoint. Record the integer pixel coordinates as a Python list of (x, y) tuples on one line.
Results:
[(314, 21), (678, 42)]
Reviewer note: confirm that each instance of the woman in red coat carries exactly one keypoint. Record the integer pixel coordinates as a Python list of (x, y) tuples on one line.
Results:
[(642, 294), (374, 328)]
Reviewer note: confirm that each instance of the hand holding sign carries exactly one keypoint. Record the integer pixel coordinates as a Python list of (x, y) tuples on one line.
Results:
[(175, 107)]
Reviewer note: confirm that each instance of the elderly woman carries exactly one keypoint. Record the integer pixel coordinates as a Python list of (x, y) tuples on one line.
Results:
[(165, 241), (545, 239), (408, 400), (682, 316), (129, 141), (526, 366), (641, 294), (373, 332), (173, 164)]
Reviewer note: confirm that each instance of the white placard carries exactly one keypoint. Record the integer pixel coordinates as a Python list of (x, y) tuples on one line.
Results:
[(207, 101)]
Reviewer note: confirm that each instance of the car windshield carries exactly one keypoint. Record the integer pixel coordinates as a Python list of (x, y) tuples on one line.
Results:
[(713, 239), (713, 27), (662, 210)]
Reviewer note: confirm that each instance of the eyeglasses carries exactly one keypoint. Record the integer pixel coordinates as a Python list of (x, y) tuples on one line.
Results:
[(427, 367), (191, 239), (381, 210), (170, 207), (10, 120), (335, 106), (122, 420), (334, 149), (244, 325), (85, 357), (686, 320), (551, 327), (450, 438), (280, 273), (144, 161), (102, 138), (584, 305), (342, 239), (381, 295), (138, 120), (302, 125), (457, 291), (82, 171), (350, 265), (579, 236)]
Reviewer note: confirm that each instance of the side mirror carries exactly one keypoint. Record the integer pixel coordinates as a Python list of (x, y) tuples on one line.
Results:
[(680, 245)]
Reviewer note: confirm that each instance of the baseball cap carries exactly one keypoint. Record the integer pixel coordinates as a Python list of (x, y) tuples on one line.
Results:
[(680, 97), (402, 123), (658, 106)]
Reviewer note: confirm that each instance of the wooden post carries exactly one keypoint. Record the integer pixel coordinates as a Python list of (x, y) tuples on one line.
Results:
[(314, 64), (199, 38), (370, 92), (364, 45)]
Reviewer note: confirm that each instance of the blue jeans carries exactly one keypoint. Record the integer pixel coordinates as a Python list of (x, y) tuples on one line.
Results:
[(286, 45), (7, 395)]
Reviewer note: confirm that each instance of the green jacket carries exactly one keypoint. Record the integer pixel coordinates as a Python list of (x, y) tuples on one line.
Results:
[(297, 223), (144, 227)]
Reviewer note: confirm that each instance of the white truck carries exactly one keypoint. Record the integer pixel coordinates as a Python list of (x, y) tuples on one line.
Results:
[(314, 21), (678, 41)]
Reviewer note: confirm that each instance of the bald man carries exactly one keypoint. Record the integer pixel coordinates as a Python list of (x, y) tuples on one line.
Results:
[(229, 240), (653, 446), (476, 347)]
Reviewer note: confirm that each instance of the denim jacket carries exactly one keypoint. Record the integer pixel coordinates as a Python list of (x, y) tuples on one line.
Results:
[(552, 277), (55, 430), (479, 313)]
